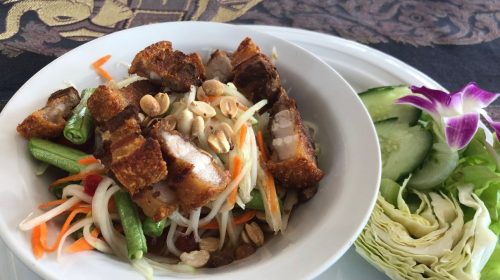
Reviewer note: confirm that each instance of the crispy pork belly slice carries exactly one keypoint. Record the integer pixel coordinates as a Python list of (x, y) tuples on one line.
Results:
[(136, 90), (49, 121), (293, 162), (193, 173), (245, 50), (137, 162), (257, 78), (107, 102), (173, 69), (219, 66), (157, 201)]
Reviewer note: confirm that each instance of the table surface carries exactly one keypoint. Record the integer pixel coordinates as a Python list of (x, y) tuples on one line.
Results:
[(453, 42)]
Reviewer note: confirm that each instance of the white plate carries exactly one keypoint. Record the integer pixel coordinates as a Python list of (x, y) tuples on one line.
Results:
[(320, 231)]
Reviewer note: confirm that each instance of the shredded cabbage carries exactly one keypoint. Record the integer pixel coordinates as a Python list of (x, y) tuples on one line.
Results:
[(434, 242)]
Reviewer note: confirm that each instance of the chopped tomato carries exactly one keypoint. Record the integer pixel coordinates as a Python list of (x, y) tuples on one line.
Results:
[(90, 183)]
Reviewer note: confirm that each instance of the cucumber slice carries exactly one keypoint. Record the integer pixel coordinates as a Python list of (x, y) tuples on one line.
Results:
[(438, 166), (389, 190), (380, 104), (403, 148)]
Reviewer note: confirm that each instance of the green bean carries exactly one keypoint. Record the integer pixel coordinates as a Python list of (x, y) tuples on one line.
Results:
[(136, 241), (152, 228), (79, 126), (58, 155)]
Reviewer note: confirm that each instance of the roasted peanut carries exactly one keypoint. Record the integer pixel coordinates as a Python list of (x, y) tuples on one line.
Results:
[(164, 101), (200, 94), (149, 105), (229, 106), (185, 121), (201, 108), (198, 126), (210, 244), (213, 87), (226, 128), (195, 258), (218, 142), (255, 234)]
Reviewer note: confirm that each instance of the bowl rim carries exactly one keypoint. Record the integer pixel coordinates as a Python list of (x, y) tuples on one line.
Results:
[(38, 268)]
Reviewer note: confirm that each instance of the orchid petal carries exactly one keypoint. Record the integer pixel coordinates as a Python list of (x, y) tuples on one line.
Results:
[(419, 102), (434, 95), (494, 124), (459, 130), (473, 96)]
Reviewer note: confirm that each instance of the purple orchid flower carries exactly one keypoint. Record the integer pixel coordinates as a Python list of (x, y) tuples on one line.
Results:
[(457, 113)]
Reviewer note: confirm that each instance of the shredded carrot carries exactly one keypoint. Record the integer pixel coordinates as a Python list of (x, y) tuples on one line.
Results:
[(75, 177), (262, 147), (213, 224), (97, 67), (237, 164), (35, 243), (271, 195), (88, 160), (43, 235), (104, 73), (245, 217), (238, 220), (64, 229), (51, 203), (82, 244), (80, 205), (101, 61), (235, 172), (243, 135)]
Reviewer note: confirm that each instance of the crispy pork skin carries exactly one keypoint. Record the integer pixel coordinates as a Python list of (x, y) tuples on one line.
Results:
[(49, 121), (106, 102), (136, 161), (245, 50), (172, 69), (293, 162), (193, 173), (254, 73)]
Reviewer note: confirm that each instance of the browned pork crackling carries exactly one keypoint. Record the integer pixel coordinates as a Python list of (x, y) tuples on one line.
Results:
[(136, 161), (172, 69), (107, 101), (49, 121), (293, 161)]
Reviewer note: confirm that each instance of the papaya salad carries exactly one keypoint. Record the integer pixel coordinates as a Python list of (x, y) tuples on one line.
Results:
[(183, 164)]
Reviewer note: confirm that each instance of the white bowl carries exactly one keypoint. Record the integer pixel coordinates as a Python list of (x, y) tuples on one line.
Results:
[(320, 231)]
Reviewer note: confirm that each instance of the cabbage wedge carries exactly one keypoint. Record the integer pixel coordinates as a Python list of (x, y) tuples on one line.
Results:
[(436, 240)]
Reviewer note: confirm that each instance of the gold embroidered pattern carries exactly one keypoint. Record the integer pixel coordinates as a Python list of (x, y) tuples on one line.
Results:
[(82, 20)]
